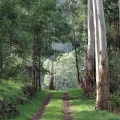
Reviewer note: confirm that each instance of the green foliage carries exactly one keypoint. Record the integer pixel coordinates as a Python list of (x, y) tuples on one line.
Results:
[(7, 10), (111, 9), (8, 109), (64, 72), (9, 92), (9, 89), (114, 69), (115, 102), (21, 23), (29, 91)]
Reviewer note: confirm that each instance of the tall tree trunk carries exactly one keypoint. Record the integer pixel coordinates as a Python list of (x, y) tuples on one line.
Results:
[(34, 66), (75, 41), (51, 84), (102, 83), (96, 42), (36, 61), (77, 68), (119, 17), (90, 50), (39, 66)]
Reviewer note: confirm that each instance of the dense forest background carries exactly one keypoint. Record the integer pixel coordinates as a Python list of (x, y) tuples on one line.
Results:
[(28, 29)]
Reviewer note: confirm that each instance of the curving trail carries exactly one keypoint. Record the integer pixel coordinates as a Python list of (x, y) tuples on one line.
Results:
[(66, 107), (38, 115)]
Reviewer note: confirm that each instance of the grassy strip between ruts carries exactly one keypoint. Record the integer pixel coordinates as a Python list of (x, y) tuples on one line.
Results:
[(82, 108), (54, 110), (28, 109)]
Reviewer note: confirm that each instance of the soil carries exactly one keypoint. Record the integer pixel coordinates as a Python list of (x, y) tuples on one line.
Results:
[(38, 115), (66, 107)]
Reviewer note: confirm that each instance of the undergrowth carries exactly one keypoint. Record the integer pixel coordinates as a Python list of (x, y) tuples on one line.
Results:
[(10, 89), (82, 107), (31, 106)]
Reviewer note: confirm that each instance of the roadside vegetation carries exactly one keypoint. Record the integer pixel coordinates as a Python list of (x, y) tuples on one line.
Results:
[(83, 108)]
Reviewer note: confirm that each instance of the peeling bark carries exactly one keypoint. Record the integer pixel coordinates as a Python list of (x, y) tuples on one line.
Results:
[(89, 75), (102, 83), (96, 42)]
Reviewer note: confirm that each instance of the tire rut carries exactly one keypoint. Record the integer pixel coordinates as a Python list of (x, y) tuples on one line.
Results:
[(38, 115), (66, 107)]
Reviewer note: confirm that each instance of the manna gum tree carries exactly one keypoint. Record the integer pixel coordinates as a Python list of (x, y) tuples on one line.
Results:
[(102, 82), (89, 74), (96, 41)]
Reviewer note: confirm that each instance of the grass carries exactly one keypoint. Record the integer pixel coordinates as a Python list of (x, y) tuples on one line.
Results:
[(54, 109), (82, 108), (9, 89), (31, 107)]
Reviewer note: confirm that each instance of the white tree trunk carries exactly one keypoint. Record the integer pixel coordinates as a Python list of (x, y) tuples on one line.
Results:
[(102, 83), (90, 50), (90, 31), (96, 42)]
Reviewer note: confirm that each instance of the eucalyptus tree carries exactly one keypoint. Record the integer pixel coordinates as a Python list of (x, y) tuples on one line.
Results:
[(96, 26), (89, 76), (96, 41), (101, 57), (102, 84)]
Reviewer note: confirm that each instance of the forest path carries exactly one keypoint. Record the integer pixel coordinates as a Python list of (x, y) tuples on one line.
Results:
[(56, 106)]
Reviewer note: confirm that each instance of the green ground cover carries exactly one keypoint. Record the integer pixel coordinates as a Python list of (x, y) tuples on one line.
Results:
[(10, 89), (82, 108), (54, 110), (32, 106)]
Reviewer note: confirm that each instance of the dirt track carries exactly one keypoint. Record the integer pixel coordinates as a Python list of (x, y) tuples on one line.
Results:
[(66, 107), (38, 115)]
